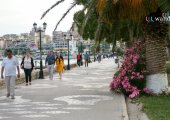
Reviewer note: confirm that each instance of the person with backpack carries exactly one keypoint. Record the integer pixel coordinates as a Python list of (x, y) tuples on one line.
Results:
[(86, 58), (50, 62), (27, 65), (79, 59)]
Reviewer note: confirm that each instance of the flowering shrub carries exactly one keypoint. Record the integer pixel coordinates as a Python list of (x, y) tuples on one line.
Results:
[(130, 78)]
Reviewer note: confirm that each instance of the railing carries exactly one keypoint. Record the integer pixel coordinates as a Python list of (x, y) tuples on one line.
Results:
[(38, 66)]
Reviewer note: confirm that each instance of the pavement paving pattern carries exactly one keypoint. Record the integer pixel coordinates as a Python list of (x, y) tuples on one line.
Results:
[(82, 94)]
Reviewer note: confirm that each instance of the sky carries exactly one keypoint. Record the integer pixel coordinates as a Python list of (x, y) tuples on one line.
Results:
[(18, 16)]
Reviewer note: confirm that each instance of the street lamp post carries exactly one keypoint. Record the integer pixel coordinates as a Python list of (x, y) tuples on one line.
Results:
[(89, 53), (68, 66), (81, 52), (81, 45), (94, 57), (40, 30)]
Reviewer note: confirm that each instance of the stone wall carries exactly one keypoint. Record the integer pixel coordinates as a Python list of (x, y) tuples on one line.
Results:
[(35, 75)]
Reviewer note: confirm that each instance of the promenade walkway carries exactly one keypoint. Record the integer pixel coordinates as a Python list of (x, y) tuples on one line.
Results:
[(82, 94)]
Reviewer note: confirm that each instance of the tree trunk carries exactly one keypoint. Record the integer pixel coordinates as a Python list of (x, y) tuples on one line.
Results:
[(156, 64), (113, 46), (168, 50)]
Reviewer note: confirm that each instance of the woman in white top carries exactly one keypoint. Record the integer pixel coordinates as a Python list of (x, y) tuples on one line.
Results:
[(27, 64)]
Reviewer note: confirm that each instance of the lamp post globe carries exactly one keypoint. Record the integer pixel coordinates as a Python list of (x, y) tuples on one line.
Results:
[(64, 36), (44, 25), (35, 26)]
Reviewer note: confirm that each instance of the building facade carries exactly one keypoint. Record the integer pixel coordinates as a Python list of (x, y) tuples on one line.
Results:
[(61, 43)]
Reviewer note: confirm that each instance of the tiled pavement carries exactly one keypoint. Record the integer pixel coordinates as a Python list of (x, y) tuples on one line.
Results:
[(82, 94)]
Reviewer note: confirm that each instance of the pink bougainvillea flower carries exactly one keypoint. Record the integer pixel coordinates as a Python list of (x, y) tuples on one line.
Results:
[(134, 93), (130, 71)]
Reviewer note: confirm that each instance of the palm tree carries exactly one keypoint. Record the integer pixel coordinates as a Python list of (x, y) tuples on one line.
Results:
[(136, 11), (128, 16), (90, 25), (85, 3)]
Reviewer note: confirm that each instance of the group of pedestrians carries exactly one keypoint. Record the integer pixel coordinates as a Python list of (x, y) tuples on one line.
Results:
[(80, 59), (53, 59), (10, 64), (99, 57)]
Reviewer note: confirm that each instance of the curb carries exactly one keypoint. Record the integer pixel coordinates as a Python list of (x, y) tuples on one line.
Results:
[(124, 106), (135, 111)]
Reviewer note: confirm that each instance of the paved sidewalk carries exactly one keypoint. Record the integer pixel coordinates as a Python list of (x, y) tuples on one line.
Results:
[(83, 94)]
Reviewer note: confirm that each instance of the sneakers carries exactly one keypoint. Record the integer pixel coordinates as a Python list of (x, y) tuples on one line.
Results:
[(12, 97), (27, 84)]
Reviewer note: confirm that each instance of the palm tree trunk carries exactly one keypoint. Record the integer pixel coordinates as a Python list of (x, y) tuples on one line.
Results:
[(156, 64), (113, 46), (131, 38)]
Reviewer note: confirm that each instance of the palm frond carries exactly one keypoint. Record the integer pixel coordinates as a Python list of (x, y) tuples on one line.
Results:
[(87, 17), (58, 2), (81, 2), (165, 5), (100, 5), (89, 13), (72, 26), (78, 18), (91, 26), (98, 31), (135, 10), (110, 11), (64, 15)]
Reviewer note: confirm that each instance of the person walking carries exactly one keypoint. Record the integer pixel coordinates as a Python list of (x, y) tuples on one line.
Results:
[(27, 65), (9, 64), (79, 59), (99, 58), (50, 62), (60, 65), (86, 58)]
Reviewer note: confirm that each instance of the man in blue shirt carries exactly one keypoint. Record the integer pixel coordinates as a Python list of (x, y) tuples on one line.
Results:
[(86, 58), (50, 62)]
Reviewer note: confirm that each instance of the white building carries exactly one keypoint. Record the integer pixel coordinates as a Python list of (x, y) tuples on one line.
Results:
[(2, 43), (5, 43), (35, 37), (12, 37), (88, 43), (61, 42)]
